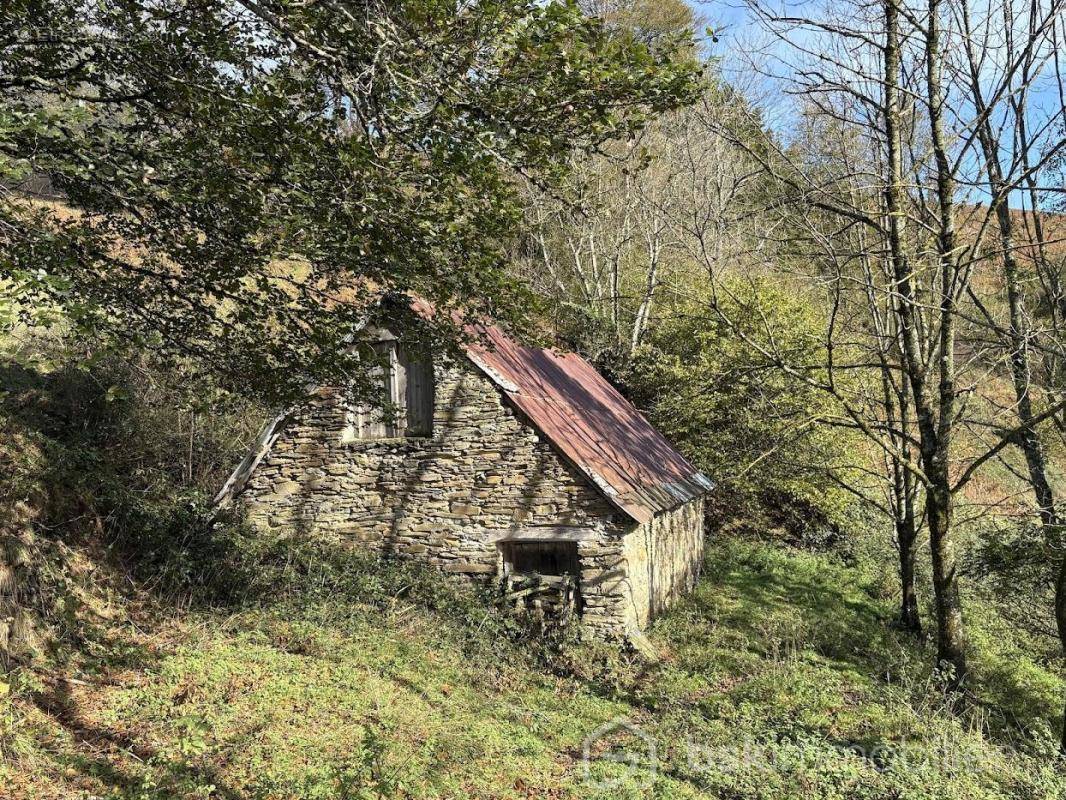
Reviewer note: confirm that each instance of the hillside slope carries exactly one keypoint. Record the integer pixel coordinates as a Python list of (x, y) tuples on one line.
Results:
[(336, 677)]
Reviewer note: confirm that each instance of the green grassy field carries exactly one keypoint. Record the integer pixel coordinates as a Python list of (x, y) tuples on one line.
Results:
[(781, 677)]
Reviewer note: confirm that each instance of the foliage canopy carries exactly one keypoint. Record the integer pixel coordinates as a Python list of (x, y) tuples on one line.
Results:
[(239, 181)]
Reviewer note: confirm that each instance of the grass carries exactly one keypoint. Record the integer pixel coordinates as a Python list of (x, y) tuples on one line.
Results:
[(782, 677)]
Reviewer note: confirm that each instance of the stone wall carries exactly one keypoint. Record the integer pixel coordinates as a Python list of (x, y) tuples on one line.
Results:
[(663, 559), (482, 477)]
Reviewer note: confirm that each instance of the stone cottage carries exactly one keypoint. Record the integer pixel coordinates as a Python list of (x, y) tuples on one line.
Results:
[(503, 463)]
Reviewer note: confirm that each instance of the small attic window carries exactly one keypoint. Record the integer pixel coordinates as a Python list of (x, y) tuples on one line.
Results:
[(406, 407)]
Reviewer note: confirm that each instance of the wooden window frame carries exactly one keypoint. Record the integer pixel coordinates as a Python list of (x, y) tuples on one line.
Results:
[(364, 423)]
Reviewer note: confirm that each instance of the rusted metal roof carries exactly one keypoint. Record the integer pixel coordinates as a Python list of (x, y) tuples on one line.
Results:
[(591, 423), (564, 398)]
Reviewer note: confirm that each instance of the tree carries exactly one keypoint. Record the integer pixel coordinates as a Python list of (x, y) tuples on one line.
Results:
[(239, 182), (1038, 140), (624, 256), (649, 20), (604, 246), (889, 80)]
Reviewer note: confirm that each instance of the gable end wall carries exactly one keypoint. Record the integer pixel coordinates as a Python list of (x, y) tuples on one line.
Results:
[(663, 559), (447, 499)]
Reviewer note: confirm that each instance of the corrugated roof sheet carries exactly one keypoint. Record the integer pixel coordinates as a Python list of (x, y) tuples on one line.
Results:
[(579, 412), (591, 423)]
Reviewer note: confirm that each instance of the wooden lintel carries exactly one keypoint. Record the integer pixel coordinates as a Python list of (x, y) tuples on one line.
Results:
[(546, 533)]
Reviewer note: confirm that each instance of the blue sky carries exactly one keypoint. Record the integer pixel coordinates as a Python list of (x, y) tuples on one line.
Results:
[(739, 36)]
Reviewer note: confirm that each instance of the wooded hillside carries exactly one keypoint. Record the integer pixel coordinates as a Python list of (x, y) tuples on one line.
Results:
[(825, 255)]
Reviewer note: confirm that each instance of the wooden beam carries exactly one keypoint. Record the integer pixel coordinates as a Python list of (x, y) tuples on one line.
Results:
[(546, 533), (263, 442)]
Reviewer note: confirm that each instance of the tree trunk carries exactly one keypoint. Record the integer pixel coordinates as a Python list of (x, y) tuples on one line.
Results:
[(640, 324), (906, 529), (909, 618), (937, 430), (906, 536), (1060, 622), (951, 633), (897, 412)]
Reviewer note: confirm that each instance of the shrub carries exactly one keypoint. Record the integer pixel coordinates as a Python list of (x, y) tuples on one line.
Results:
[(95, 448), (744, 422)]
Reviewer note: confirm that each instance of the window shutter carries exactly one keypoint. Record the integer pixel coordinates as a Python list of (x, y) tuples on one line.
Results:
[(397, 393), (368, 421), (419, 397), (406, 404)]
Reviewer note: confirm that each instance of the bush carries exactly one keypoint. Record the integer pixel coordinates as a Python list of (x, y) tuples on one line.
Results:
[(122, 454), (737, 416)]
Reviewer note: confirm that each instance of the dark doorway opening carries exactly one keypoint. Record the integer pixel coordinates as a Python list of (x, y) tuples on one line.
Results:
[(541, 558), (542, 577)]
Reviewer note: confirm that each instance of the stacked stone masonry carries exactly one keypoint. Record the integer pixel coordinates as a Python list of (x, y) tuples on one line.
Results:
[(483, 476)]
